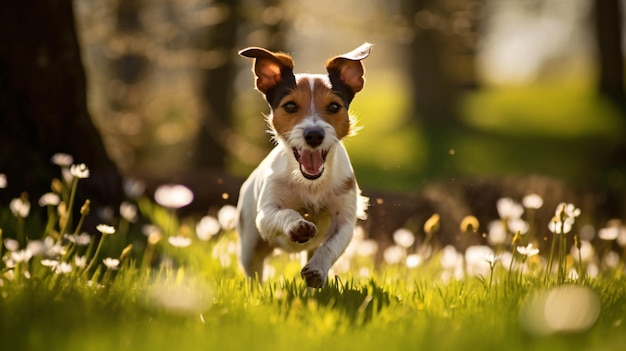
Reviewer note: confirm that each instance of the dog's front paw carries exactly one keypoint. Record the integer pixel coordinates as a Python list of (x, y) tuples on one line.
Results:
[(314, 277), (302, 231)]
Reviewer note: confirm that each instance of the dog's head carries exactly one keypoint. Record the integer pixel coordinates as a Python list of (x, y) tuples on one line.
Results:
[(309, 111)]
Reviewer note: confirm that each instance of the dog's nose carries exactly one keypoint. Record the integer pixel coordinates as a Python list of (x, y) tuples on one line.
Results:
[(314, 137)]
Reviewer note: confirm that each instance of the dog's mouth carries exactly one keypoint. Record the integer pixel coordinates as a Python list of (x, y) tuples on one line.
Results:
[(311, 162)]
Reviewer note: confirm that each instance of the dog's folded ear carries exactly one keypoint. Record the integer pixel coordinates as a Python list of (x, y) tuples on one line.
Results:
[(347, 69), (269, 67)]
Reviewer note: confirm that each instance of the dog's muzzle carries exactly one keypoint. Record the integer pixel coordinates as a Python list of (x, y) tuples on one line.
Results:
[(311, 160)]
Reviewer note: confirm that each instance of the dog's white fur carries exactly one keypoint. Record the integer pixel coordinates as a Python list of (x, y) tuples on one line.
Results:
[(277, 201)]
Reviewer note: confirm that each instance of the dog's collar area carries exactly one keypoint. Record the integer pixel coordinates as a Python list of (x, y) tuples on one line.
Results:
[(311, 162)]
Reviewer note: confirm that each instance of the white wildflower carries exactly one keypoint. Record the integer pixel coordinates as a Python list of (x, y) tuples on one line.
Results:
[(62, 159), (475, 259), (492, 259), (11, 244), (128, 211), (20, 207), (518, 225), (573, 274), (173, 196), (532, 201), (3, 181), (393, 254), (528, 250), (608, 233), (105, 229), (450, 258), (82, 239), (49, 199), (403, 237), (612, 231), (179, 241), (561, 227), (224, 251), (80, 261), (366, 248), (52, 248), (49, 262), (227, 216), (36, 247), (207, 227), (80, 171), (111, 263), (509, 208), (414, 260), (63, 268), (567, 210), (497, 233), (21, 256)]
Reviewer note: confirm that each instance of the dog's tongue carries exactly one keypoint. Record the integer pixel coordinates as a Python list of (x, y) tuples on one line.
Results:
[(312, 161)]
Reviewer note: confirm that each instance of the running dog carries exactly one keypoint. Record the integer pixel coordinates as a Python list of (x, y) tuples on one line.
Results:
[(304, 195)]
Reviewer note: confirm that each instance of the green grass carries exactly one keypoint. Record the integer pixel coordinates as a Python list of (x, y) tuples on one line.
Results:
[(558, 111), (194, 297), (388, 312)]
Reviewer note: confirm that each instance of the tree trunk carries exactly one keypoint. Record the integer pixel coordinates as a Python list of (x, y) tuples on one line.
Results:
[(43, 103), (217, 87), (434, 93), (440, 66), (608, 24)]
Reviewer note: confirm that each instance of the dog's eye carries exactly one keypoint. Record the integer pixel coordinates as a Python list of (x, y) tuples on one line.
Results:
[(334, 107), (290, 107)]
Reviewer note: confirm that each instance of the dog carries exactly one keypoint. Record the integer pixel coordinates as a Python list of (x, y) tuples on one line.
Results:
[(303, 196)]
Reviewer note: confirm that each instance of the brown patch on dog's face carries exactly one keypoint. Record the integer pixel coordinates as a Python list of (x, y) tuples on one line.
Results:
[(312, 96)]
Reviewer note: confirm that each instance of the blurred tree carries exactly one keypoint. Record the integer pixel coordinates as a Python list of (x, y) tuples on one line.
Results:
[(441, 64), (128, 71), (219, 41), (441, 56), (43, 107), (608, 24), (129, 67), (272, 24), (262, 20)]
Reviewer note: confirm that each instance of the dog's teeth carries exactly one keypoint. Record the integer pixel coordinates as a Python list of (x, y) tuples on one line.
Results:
[(297, 154)]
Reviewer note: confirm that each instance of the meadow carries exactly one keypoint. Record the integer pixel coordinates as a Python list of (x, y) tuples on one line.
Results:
[(560, 129), (149, 279)]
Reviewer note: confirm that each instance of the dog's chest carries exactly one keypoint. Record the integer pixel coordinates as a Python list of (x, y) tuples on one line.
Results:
[(311, 204)]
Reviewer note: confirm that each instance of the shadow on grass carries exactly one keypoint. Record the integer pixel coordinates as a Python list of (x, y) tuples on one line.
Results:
[(359, 303)]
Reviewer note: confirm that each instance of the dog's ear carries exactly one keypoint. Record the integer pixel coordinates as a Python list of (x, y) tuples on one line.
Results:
[(270, 68), (347, 68)]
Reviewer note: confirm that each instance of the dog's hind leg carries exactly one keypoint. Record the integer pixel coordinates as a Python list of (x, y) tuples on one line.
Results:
[(254, 250)]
